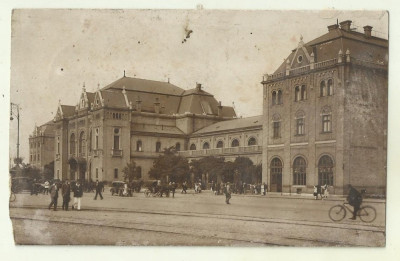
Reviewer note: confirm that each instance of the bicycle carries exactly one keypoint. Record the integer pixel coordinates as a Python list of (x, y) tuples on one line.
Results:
[(337, 213)]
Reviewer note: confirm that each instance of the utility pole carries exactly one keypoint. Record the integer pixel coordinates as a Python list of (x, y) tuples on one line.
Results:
[(16, 114)]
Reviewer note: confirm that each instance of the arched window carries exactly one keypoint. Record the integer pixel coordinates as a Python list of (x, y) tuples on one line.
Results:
[(325, 171), (72, 144), (220, 144), (303, 92), (297, 96), (192, 146), (276, 175), (158, 146), (273, 97), (252, 141), (206, 146), (280, 97), (82, 143), (300, 129), (299, 171), (177, 146), (322, 89), (139, 145), (330, 87), (326, 119), (235, 143), (117, 132)]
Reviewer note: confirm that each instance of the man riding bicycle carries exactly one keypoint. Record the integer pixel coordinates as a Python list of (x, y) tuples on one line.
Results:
[(355, 199)]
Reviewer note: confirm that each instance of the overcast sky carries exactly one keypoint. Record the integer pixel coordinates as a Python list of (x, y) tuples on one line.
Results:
[(53, 52)]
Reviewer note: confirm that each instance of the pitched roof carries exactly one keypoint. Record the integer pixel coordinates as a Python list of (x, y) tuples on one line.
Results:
[(113, 99), (159, 129), (327, 47), (255, 121), (68, 110), (142, 85)]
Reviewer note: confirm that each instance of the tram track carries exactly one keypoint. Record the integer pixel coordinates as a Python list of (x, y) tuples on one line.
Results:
[(187, 230)]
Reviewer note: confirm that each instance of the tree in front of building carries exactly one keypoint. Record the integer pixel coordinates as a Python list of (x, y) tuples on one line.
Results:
[(245, 167), (170, 167), (210, 165), (131, 172), (48, 171)]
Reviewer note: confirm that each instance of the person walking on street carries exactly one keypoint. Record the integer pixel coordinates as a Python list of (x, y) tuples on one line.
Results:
[(66, 194), (46, 187), (54, 196), (184, 187), (228, 192), (99, 188), (78, 193)]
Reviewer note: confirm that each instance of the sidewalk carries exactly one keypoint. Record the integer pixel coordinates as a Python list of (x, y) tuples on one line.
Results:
[(308, 196)]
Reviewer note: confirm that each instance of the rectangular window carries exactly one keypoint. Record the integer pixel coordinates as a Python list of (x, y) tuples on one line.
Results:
[(277, 129), (58, 174), (97, 173), (58, 145), (115, 173), (38, 157), (326, 123), (300, 126)]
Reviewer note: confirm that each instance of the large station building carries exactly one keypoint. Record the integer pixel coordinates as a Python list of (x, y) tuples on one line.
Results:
[(324, 121)]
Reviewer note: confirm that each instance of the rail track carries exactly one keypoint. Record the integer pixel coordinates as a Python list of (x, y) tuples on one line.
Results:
[(234, 237)]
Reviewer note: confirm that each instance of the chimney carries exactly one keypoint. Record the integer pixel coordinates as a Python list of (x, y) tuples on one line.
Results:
[(345, 25), (157, 106), (367, 30), (332, 27), (219, 109), (198, 86)]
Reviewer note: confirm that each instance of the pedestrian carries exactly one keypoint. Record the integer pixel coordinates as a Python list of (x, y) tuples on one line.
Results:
[(172, 187), (315, 192), (263, 189), (326, 191), (99, 188), (78, 193), (217, 188), (319, 191), (66, 194), (46, 187), (184, 187), (228, 192), (54, 196)]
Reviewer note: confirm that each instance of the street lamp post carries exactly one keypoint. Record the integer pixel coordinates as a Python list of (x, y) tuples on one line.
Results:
[(16, 114)]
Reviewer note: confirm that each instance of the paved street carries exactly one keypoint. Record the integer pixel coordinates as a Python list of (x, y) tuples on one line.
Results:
[(193, 219)]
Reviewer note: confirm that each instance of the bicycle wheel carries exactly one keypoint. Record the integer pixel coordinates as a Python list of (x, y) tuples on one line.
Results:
[(367, 214), (337, 213), (12, 197)]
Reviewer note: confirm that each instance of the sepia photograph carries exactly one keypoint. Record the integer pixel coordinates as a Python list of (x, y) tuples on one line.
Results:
[(200, 127)]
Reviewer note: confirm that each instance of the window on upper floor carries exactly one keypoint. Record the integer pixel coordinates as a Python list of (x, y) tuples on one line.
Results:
[(273, 97), (96, 142), (220, 144), (206, 146), (277, 97), (235, 143), (158, 146), (177, 146), (276, 125), (252, 141), (300, 128), (192, 146), (117, 132), (139, 146), (326, 88), (72, 144), (326, 117), (300, 93)]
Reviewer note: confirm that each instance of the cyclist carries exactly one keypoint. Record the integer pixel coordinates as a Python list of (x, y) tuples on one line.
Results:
[(355, 199)]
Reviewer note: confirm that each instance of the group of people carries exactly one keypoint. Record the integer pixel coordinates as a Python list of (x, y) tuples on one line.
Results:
[(321, 191), (66, 189)]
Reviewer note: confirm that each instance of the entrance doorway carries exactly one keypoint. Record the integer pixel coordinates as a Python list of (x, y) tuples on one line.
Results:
[(276, 175)]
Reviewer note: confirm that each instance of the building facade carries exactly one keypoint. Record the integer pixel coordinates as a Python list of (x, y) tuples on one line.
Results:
[(129, 120), (325, 114), (41, 143)]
